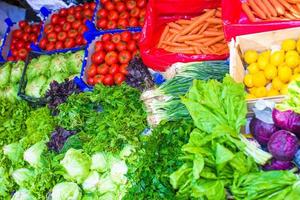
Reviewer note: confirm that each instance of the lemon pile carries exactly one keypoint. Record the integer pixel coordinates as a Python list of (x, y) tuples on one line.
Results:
[(268, 74)]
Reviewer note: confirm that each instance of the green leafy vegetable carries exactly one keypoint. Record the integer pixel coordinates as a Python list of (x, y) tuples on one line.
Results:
[(66, 191), (5, 74)]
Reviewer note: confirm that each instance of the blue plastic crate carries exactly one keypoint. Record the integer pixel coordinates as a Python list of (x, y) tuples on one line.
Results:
[(47, 17), (91, 38)]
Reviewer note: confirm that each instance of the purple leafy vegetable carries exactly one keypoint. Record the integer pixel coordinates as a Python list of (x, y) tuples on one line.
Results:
[(262, 131), (58, 138), (279, 165)]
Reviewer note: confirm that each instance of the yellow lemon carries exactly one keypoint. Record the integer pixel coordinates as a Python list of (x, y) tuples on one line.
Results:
[(277, 83), (277, 58), (298, 45), (260, 92), (292, 59), (296, 77), (248, 80), (262, 62), (297, 70), (252, 90), (284, 89), (253, 68), (250, 96), (270, 71), (284, 74), (272, 92), (259, 79), (250, 56), (288, 45)]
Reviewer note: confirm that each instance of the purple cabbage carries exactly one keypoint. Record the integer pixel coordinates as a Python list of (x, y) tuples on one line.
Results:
[(262, 131), (287, 120), (58, 138), (279, 165), (283, 145)]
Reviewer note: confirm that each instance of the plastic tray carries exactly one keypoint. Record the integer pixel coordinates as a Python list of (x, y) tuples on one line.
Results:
[(5, 47), (47, 17), (23, 82), (91, 38)]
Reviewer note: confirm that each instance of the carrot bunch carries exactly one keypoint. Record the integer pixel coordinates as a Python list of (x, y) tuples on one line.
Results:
[(271, 10), (199, 35)]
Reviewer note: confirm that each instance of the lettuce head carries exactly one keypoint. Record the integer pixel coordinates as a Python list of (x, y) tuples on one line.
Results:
[(99, 162), (66, 191), (16, 72), (38, 67), (5, 74), (13, 151), (23, 194), (34, 87), (90, 184), (58, 64), (22, 176), (74, 62), (33, 154)]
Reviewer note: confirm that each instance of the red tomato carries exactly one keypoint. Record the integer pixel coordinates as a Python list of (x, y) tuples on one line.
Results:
[(109, 5), (92, 71), (78, 9), (113, 15), (78, 15), (63, 12), (20, 45), (102, 13), (76, 24), (82, 29), (22, 53), (126, 36), (104, 1), (109, 46), (135, 12), (43, 43), (133, 21), (142, 21), (124, 57), (131, 45), (86, 6), (108, 79), (17, 33), (90, 81), (62, 36), (54, 18), (50, 46), (98, 79), (130, 4), (72, 33), (71, 10), (121, 46), (57, 28), (14, 41), (49, 28), (26, 37), (10, 58), (99, 45), (102, 23), (123, 69), (27, 29), (114, 68), (35, 29), (116, 38), (124, 15), (136, 36), (69, 43), (103, 69), (66, 26), (142, 12), (70, 18), (52, 37), (59, 45), (111, 58), (119, 78), (23, 24), (92, 5), (122, 23), (106, 37), (136, 52), (98, 57), (120, 6), (141, 3), (14, 53), (79, 40), (88, 13), (27, 46), (112, 25), (33, 37)]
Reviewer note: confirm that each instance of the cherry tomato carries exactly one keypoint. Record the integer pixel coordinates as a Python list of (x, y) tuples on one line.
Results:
[(88, 13), (121, 46), (102, 13), (82, 29), (123, 69), (59, 45), (14, 41), (23, 24), (57, 28), (141, 3), (27, 29), (119, 78), (43, 43), (72, 33), (116, 38), (78, 15), (63, 12), (109, 46), (14, 53), (98, 79), (17, 33), (130, 4), (126, 36), (27, 46), (26, 37), (49, 28), (33, 37), (124, 57), (70, 18), (142, 12), (122, 23), (20, 45), (136, 36), (131, 45), (103, 69), (99, 45), (62, 36), (80, 40), (112, 25), (50, 46), (120, 6), (76, 24), (52, 37), (86, 6), (135, 12), (124, 15), (106, 37), (104, 1), (66, 27), (71, 10), (90, 81), (113, 15), (69, 43), (109, 5), (92, 5), (133, 22), (111, 58), (98, 57), (108, 79), (92, 71), (22, 53), (54, 18), (11, 58), (114, 68), (35, 28), (102, 23)]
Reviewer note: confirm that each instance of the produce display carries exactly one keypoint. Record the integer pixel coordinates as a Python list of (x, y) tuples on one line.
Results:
[(41, 71), (271, 10), (121, 14), (21, 38), (110, 58), (270, 72), (199, 35), (66, 27)]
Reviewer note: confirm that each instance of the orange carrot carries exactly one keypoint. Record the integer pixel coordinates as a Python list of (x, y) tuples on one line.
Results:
[(289, 15), (175, 26), (248, 12), (192, 43), (199, 21), (197, 51), (174, 44), (262, 6), (278, 7), (174, 31), (212, 33), (214, 20), (163, 35), (218, 14), (293, 1), (214, 40), (288, 6), (171, 39), (196, 30), (184, 22), (189, 37), (256, 9), (203, 28), (270, 8)]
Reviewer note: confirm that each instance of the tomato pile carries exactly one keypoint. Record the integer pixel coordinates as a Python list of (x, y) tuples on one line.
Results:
[(21, 39), (111, 57), (121, 14), (66, 27)]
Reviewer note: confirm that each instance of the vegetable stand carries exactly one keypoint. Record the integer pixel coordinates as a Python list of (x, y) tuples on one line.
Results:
[(119, 119)]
